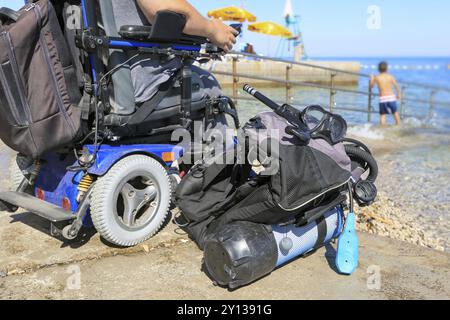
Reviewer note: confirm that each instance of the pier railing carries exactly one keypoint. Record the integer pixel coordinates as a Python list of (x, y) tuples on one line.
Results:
[(427, 98)]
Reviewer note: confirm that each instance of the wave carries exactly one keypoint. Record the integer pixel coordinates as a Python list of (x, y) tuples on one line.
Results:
[(411, 126), (367, 131)]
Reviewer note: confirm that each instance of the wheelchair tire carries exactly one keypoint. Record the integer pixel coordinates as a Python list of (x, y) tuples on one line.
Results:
[(131, 202)]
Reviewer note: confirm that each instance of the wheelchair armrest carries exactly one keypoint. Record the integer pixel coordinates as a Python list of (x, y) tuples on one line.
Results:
[(167, 28), (140, 33), (194, 40)]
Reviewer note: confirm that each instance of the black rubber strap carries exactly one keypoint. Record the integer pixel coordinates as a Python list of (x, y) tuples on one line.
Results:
[(148, 107), (9, 14), (85, 106), (322, 231), (316, 213)]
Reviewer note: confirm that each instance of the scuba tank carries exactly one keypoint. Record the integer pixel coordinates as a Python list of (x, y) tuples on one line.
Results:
[(242, 252)]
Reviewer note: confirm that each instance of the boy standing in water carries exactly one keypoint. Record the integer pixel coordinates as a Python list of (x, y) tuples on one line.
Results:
[(388, 100)]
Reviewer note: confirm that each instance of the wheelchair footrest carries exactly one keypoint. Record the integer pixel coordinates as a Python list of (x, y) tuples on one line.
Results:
[(39, 207)]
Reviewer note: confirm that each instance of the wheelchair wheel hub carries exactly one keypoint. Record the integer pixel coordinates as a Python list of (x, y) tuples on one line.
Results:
[(137, 201)]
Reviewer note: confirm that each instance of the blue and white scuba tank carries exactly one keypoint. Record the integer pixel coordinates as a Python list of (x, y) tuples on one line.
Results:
[(242, 252), (294, 242)]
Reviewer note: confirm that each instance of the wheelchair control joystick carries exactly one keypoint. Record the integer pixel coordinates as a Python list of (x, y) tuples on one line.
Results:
[(237, 27)]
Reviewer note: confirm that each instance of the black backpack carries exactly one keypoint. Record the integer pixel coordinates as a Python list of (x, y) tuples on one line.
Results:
[(309, 180), (39, 90)]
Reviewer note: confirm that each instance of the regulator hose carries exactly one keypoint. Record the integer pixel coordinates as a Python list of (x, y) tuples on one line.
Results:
[(357, 144), (363, 157)]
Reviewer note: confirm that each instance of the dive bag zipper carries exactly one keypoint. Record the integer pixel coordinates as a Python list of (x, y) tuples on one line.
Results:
[(316, 197)]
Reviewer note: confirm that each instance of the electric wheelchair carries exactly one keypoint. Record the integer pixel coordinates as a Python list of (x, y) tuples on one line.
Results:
[(117, 176)]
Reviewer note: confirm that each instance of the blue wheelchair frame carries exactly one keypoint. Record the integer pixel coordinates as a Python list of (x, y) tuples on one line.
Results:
[(55, 184)]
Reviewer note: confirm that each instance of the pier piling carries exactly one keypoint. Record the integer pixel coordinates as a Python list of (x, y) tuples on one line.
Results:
[(289, 97), (369, 104), (332, 90), (235, 81)]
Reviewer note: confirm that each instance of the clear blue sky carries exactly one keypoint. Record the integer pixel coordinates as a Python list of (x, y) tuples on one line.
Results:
[(339, 28)]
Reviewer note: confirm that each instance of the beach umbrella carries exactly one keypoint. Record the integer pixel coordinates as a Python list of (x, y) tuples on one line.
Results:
[(232, 14), (270, 28)]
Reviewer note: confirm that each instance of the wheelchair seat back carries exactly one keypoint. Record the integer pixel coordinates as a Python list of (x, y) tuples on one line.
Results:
[(138, 81), (114, 14)]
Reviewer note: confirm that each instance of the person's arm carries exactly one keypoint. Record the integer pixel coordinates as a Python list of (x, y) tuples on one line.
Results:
[(215, 30), (397, 88)]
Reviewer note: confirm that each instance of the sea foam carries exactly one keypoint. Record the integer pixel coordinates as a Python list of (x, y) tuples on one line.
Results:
[(367, 131)]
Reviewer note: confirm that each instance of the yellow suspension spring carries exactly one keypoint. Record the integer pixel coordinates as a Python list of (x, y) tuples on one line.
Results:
[(85, 183)]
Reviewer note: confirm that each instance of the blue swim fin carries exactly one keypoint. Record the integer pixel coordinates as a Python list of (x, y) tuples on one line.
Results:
[(347, 254)]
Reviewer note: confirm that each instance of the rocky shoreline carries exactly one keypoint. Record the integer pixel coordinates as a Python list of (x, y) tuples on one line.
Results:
[(412, 204), (385, 218)]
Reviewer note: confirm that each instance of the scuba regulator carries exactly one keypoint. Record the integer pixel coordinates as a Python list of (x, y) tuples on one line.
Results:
[(363, 162)]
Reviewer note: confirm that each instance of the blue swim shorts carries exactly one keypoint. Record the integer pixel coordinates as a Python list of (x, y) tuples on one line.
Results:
[(388, 108)]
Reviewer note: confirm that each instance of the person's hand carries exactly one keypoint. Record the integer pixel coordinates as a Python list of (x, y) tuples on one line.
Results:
[(222, 35)]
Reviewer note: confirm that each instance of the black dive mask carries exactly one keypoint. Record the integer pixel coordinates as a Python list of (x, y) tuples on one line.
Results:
[(324, 125)]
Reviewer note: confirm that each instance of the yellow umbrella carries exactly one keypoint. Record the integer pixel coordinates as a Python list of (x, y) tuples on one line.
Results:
[(270, 28), (232, 14)]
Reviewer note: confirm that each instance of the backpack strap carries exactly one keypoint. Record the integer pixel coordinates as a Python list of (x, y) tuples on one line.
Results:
[(85, 105)]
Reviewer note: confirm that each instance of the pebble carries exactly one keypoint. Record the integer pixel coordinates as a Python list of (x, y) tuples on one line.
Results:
[(15, 272)]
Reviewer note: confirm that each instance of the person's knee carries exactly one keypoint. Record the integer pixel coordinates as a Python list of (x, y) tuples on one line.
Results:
[(210, 83)]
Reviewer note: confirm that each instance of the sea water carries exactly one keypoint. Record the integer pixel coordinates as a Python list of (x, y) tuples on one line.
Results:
[(428, 71)]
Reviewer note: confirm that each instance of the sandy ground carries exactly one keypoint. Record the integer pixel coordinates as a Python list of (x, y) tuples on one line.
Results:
[(33, 265), (172, 270)]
